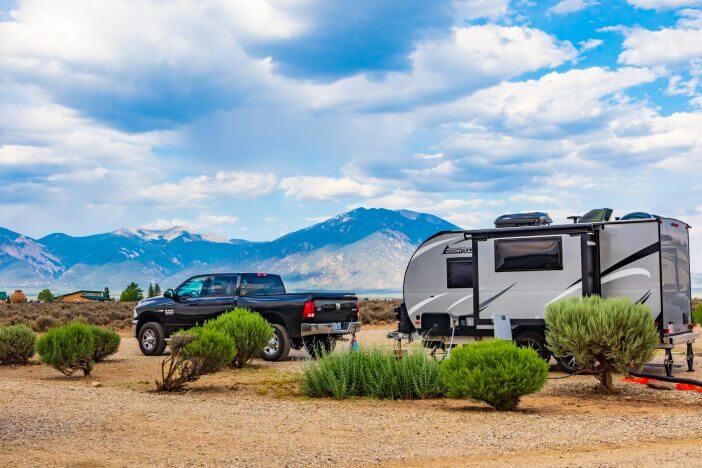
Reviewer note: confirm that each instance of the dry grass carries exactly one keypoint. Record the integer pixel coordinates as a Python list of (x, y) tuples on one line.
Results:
[(41, 317), (118, 315)]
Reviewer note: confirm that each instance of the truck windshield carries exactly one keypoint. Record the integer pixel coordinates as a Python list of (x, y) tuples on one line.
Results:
[(261, 285)]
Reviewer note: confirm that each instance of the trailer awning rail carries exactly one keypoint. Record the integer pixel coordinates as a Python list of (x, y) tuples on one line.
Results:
[(483, 234)]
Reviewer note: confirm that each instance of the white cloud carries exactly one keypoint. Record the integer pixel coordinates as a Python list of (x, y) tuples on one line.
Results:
[(590, 44), (317, 219), (474, 9), (570, 6), (429, 155), (663, 4), (223, 184), (667, 46), (200, 223), (326, 188), (473, 56), (543, 106)]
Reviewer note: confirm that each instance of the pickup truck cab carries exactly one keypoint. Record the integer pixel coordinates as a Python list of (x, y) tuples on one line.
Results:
[(314, 320)]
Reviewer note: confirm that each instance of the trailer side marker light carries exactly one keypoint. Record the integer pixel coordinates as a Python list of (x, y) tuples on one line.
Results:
[(675, 224)]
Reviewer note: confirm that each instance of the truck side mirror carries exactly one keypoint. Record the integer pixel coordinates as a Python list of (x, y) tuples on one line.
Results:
[(168, 293)]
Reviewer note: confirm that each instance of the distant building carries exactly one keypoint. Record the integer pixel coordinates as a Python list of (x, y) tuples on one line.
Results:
[(82, 296), (3, 296), (18, 297)]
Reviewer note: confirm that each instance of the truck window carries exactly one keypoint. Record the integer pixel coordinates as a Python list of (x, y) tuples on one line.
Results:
[(221, 285), (459, 272), (192, 288), (261, 285), (528, 254)]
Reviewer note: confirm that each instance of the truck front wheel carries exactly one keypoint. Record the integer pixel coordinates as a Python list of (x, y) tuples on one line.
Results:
[(278, 347), (152, 339), (319, 345)]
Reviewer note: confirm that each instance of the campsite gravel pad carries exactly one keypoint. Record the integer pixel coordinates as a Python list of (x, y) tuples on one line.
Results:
[(46, 419)]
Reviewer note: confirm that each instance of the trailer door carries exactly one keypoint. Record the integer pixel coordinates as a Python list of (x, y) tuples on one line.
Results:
[(675, 269)]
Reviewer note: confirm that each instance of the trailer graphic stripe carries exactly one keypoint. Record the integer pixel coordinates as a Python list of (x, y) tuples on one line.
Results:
[(645, 252), (459, 301), (427, 248), (484, 305), (610, 277), (424, 302)]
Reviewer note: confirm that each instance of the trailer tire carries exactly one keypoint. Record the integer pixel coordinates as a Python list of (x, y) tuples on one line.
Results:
[(319, 345), (568, 365), (535, 341)]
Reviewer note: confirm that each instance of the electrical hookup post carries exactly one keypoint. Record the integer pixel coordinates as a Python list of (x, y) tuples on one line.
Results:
[(354, 346)]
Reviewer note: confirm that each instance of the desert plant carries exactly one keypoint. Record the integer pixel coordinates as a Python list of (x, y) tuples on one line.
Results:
[(697, 314), (602, 335), (373, 373), (105, 342), (44, 322), (16, 344), (497, 372), (68, 348), (250, 332), (194, 353)]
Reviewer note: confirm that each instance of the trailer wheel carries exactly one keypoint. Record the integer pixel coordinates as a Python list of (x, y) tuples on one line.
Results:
[(535, 341), (568, 365), (319, 345)]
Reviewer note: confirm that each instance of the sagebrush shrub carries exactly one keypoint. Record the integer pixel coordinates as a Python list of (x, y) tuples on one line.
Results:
[(697, 314), (16, 344), (105, 342), (373, 373), (603, 335), (250, 332), (68, 348), (44, 322), (497, 372), (194, 353)]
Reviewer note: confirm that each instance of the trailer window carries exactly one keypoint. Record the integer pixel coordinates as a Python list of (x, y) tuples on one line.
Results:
[(459, 272), (542, 253)]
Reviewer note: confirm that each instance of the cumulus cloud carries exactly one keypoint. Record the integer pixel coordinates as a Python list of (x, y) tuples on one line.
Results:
[(223, 184), (663, 4), (326, 188), (570, 6), (471, 57), (666, 46)]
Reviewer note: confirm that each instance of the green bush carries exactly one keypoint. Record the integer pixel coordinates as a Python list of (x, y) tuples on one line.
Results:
[(373, 373), (194, 353), (497, 372), (250, 332), (16, 344), (697, 314), (603, 335), (105, 342), (68, 348)]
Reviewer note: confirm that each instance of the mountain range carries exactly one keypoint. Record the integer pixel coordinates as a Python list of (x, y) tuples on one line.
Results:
[(363, 250)]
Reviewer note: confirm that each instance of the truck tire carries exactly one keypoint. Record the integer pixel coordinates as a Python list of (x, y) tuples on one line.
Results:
[(535, 341), (279, 346), (319, 345), (152, 339)]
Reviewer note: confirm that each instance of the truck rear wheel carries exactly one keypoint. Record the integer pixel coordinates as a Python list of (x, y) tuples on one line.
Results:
[(152, 339), (535, 341), (278, 347), (319, 345)]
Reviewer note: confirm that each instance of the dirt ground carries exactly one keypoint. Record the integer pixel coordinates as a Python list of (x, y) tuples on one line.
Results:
[(256, 416)]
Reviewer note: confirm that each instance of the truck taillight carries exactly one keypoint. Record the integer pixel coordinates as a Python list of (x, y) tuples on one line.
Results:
[(308, 309)]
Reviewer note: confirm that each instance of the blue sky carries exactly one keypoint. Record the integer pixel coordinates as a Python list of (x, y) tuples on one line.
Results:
[(251, 118)]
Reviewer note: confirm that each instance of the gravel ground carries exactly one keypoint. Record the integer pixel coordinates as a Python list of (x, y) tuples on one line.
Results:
[(256, 417)]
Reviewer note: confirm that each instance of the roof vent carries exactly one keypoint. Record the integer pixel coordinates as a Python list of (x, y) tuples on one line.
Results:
[(536, 218)]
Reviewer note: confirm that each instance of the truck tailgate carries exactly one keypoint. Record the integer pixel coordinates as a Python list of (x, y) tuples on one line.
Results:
[(334, 309)]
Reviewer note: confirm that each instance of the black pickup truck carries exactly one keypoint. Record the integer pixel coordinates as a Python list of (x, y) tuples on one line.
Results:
[(312, 320)]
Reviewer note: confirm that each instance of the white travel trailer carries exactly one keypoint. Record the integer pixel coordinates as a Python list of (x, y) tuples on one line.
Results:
[(457, 281)]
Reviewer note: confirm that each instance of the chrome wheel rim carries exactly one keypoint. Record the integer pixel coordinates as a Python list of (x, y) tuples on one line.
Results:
[(148, 340), (272, 346)]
